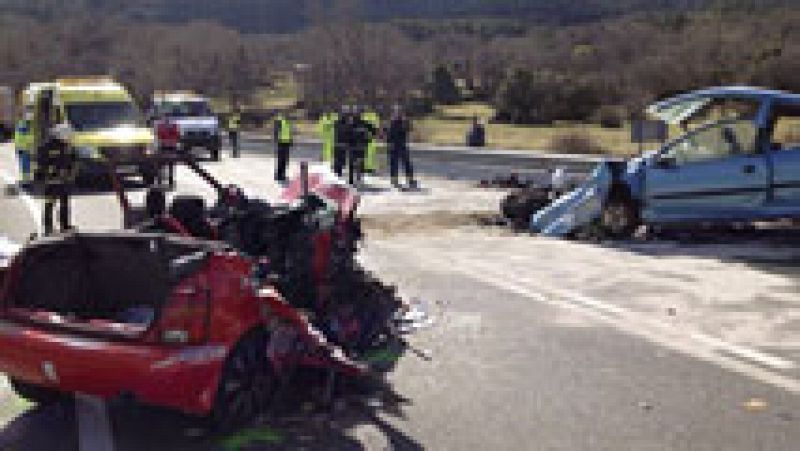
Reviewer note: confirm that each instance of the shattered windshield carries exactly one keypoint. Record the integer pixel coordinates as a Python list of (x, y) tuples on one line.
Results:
[(185, 109)]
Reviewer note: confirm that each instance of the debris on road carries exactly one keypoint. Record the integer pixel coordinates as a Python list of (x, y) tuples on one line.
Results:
[(519, 206), (646, 406), (755, 405)]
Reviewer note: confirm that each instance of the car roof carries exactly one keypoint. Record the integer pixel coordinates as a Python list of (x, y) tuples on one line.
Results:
[(681, 107), (740, 92)]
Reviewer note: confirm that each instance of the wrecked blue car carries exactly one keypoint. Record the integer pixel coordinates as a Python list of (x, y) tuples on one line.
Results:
[(737, 159)]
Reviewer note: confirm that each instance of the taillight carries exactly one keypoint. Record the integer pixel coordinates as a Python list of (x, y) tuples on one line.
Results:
[(185, 318)]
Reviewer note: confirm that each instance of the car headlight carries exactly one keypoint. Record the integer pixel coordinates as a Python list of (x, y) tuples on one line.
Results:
[(87, 152)]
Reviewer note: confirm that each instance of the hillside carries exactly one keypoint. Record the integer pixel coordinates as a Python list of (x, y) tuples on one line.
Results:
[(278, 16)]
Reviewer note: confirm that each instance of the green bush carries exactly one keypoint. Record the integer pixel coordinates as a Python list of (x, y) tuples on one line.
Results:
[(576, 142)]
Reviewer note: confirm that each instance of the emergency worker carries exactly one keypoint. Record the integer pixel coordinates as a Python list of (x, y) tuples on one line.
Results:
[(23, 141), (327, 132), (56, 163), (361, 134), (371, 157), (397, 134), (282, 134), (234, 126), (342, 131)]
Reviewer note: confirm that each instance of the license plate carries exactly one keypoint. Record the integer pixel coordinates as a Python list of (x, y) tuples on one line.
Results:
[(127, 169)]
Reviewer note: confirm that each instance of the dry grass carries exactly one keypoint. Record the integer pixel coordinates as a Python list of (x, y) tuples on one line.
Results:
[(537, 138), (450, 123), (465, 111)]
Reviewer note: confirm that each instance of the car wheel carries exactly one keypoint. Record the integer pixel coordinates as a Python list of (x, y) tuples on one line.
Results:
[(247, 384), (36, 393), (620, 218)]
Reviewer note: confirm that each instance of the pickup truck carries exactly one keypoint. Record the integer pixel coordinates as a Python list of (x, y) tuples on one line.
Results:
[(736, 160)]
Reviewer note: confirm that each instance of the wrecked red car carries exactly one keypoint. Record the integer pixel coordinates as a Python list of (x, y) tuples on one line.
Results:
[(207, 311)]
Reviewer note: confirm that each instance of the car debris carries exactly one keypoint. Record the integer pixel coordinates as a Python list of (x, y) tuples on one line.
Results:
[(730, 165), (530, 195)]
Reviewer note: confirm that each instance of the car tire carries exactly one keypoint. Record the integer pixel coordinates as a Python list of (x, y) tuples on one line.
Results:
[(247, 385), (620, 217), (36, 393)]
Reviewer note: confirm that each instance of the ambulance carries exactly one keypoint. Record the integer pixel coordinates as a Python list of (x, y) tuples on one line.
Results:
[(106, 126)]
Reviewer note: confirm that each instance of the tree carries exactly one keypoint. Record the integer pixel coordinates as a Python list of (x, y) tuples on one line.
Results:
[(443, 87)]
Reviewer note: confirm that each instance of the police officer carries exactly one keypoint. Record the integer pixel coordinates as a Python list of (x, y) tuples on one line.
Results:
[(397, 138), (342, 130), (282, 134), (360, 136), (371, 157), (234, 124), (56, 164)]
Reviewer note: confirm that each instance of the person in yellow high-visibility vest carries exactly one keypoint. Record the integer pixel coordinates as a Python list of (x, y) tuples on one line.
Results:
[(282, 134), (327, 132), (371, 158), (234, 126), (23, 143)]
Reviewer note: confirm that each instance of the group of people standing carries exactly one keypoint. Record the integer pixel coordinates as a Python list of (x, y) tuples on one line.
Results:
[(351, 137)]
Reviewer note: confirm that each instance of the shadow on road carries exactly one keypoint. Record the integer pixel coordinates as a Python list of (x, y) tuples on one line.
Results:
[(774, 250), (359, 417), (355, 421)]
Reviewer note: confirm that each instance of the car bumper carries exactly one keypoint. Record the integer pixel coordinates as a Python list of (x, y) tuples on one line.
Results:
[(184, 378)]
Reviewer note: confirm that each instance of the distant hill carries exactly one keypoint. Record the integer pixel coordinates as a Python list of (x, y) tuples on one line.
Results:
[(280, 16)]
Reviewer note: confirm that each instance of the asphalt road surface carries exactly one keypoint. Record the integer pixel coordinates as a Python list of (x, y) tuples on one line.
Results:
[(534, 344)]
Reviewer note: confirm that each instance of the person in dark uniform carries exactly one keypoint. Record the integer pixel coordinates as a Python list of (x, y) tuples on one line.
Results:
[(282, 135), (56, 163), (397, 138), (343, 130), (58, 166), (361, 134)]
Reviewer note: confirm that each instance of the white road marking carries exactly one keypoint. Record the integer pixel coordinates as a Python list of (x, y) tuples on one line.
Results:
[(94, 427), (30, 203), (699, 346), (753, 355)]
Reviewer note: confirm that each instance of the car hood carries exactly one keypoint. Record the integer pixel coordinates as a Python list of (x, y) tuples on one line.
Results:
[(196, 123), (119, 136), (576, 209)]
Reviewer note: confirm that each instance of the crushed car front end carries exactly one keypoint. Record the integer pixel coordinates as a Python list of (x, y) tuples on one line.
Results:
[(584, 206)]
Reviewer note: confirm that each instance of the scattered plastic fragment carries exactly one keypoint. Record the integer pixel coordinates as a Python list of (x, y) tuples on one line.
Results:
[(755, 405), (248, 437)]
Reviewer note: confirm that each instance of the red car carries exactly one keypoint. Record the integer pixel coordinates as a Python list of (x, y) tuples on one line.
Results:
[(168, 320)]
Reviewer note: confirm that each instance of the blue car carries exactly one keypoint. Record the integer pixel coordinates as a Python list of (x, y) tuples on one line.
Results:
[(737, 159)]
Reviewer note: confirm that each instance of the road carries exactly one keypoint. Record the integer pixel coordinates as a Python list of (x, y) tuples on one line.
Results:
[(535, 343)]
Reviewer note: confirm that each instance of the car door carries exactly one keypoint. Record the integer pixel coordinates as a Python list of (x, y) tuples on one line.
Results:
[(713, 173), (784, 157)]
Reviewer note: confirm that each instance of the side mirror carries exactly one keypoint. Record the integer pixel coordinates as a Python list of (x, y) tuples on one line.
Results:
[(666, 161)]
